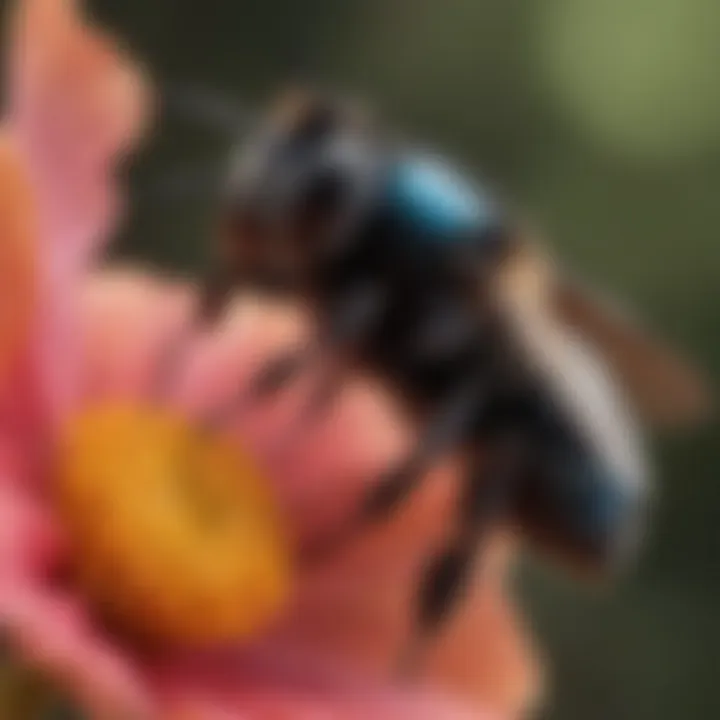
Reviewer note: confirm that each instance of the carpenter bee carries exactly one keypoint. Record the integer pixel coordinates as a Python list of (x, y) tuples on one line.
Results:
[(421, 275)]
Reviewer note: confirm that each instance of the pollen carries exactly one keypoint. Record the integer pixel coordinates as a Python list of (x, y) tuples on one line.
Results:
[(175, 535)]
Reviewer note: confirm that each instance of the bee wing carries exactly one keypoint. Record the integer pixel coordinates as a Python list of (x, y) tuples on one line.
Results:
[(664, 389), (573, 369)]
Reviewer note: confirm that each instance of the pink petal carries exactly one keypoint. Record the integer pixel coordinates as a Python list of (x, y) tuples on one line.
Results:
[(29, 539), (76, 105), (52, 632), (127, 319), (279, 685), (130, 320), (18, 253), (486, 654), (47, 625), (274, 704), (356, 607)]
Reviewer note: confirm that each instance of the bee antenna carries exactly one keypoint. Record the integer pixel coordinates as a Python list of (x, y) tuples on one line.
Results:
[(211, 109)]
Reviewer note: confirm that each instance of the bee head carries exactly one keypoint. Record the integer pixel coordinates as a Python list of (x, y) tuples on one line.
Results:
[(297, 182)]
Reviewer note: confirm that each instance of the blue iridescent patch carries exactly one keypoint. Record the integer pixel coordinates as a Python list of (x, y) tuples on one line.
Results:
[(438, 198)]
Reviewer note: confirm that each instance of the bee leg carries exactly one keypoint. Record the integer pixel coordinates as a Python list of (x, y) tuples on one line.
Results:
[(214, 293), (322, 394), (276, 374), (349, 321), (486, 499), (272, 377), (440, 592), (448, 429)]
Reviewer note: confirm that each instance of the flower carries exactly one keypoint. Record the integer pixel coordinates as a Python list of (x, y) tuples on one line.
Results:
[(92, 348), (17, 230)]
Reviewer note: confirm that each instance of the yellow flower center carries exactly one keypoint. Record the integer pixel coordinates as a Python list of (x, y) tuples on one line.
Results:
[(175, 535)]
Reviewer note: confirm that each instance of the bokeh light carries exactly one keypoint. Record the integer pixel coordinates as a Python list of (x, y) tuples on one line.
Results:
[(639, 77)]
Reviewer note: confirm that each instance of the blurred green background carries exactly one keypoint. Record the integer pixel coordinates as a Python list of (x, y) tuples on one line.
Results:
[(601, 118)]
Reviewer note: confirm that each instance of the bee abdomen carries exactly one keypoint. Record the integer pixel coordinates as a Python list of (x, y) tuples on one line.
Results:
[(585, 511)]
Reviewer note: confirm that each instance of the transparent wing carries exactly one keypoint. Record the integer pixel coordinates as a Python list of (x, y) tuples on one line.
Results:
[(666, 389), (660, 386)]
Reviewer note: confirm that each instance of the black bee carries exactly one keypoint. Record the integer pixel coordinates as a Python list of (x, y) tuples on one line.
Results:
[(420, 275)]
